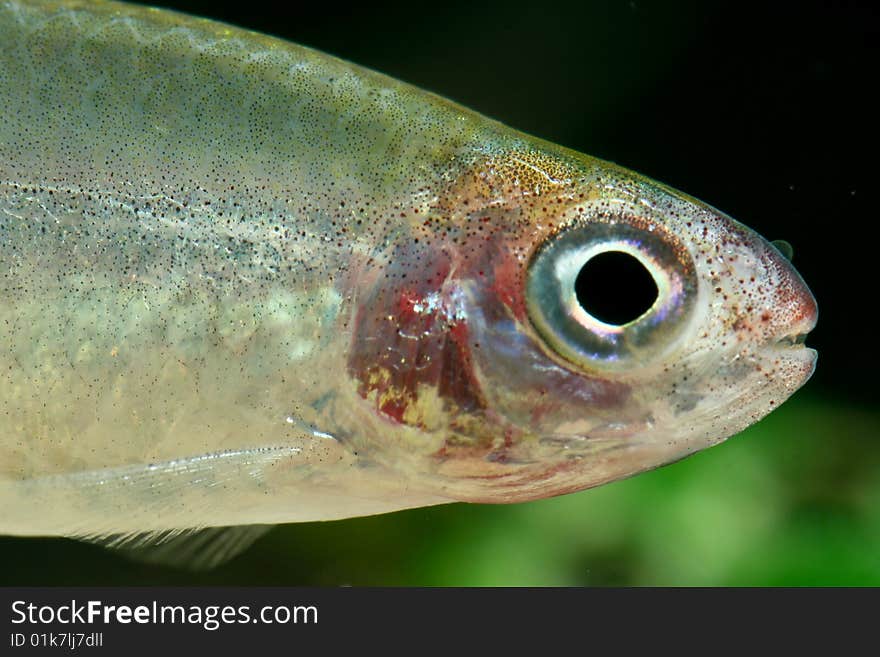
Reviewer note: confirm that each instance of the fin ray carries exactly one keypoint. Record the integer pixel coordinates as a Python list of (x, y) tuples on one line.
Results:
[(194, 549)]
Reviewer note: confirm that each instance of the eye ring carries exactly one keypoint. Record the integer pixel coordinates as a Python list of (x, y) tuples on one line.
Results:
[(581, 338)]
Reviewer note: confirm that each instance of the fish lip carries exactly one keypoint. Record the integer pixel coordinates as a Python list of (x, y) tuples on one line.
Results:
[(795, 337), (794, 344), (792, 348), (792, 340)]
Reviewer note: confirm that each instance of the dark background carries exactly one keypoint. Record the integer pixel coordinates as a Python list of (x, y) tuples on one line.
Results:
[(766, 111)]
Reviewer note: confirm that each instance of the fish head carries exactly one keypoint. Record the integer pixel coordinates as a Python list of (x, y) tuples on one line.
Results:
[(578, 323), (621, 325)]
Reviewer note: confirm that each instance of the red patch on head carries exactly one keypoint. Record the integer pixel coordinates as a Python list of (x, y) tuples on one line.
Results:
[(408, 336)]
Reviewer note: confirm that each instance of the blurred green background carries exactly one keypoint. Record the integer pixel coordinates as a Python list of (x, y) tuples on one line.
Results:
[(762, 111)]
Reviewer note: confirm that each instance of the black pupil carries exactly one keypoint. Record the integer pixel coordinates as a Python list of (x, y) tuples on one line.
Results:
[(615, 288)]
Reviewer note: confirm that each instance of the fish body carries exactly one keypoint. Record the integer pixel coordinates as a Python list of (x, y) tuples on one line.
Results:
[(245, 282)]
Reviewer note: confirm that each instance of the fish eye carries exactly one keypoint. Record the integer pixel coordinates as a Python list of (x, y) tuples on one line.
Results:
[(608, 293)]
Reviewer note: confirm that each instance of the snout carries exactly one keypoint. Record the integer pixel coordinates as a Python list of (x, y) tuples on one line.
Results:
[(793, 312)]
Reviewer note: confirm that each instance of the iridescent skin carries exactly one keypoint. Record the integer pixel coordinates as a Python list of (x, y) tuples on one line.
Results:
[(245, 282)]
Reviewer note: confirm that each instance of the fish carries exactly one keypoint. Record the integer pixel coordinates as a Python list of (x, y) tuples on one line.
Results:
[(245, 283)]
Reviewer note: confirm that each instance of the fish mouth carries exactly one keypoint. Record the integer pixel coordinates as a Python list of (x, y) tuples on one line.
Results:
[(793, 341), (792, 348), (793, 360)]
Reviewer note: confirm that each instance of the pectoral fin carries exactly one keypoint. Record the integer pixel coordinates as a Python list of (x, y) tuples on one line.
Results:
[(198, 549)]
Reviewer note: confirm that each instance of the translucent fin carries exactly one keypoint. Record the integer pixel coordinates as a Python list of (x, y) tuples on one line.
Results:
[(194, 549), (786, 249)]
